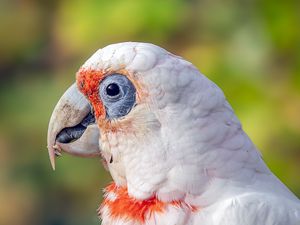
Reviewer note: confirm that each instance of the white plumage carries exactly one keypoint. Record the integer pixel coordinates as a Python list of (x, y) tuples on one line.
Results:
[(186, 144)]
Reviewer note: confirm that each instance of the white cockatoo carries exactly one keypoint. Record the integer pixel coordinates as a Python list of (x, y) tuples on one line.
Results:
[(170, 140)]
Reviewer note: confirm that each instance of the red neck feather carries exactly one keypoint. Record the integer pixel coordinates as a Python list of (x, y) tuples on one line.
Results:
[(126, 207)]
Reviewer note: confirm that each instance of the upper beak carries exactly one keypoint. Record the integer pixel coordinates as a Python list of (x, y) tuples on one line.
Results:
[(72, 127)]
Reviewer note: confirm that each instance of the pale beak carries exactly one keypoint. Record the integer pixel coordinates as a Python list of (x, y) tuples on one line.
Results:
[(72, 127)]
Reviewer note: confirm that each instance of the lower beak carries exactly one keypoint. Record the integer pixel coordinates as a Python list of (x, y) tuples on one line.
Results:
[(72, 127)]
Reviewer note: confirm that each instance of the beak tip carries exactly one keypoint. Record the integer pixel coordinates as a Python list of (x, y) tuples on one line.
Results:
[(52, 158), (53, 166)]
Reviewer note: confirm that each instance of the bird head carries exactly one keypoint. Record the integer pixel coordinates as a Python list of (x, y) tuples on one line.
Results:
[(160, 126)]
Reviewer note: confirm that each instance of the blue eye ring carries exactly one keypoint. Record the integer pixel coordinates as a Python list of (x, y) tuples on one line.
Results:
[(118, 95)]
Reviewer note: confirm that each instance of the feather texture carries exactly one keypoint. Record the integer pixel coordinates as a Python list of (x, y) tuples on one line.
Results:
[(181, 155)]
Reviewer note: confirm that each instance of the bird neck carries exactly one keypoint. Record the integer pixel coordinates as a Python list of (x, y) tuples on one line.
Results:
[(117, 204)]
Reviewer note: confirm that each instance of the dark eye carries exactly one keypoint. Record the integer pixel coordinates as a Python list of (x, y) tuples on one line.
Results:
[(118, 95), (112, 90)]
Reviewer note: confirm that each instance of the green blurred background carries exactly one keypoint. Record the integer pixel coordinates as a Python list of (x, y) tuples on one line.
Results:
[(251, 49)]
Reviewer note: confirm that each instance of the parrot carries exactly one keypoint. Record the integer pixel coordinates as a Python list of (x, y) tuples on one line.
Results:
[(175, 149)]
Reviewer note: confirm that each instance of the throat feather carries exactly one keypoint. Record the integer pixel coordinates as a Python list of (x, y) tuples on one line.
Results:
[(119, 205)]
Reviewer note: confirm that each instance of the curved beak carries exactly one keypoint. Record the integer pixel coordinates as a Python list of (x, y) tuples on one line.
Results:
[(72, 127)]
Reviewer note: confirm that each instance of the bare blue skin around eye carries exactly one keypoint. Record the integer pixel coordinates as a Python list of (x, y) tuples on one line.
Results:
[(121, 104)]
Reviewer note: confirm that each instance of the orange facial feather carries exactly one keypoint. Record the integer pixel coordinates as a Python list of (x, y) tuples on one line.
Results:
[(88, 83)]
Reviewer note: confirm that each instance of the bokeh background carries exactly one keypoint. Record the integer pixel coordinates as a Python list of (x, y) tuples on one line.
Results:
[(251, 49)]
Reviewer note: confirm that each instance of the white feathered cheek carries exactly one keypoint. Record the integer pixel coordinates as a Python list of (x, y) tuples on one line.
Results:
[(118, 96)]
